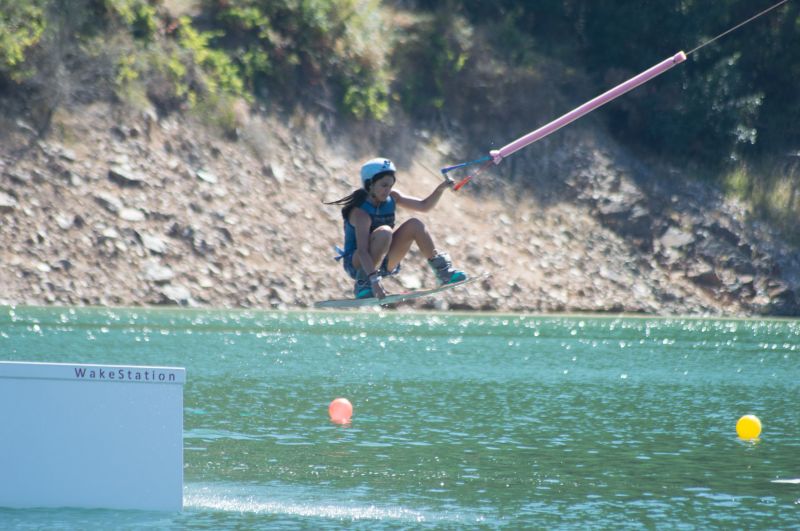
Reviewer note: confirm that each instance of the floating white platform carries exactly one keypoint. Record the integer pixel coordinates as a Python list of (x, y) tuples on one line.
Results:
[(93, 436)]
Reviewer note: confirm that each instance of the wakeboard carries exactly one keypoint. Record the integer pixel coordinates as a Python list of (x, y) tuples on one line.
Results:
[(394, 298)]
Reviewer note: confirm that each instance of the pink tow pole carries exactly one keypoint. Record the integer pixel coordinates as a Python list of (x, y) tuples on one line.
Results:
[(499, 154)]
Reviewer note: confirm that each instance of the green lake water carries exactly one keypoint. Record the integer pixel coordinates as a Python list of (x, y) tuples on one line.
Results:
[(460, 420)]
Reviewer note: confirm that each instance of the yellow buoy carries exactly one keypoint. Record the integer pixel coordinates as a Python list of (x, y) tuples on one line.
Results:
[(748, 427)]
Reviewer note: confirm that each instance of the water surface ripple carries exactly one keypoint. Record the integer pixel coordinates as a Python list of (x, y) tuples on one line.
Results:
[(460, 420)]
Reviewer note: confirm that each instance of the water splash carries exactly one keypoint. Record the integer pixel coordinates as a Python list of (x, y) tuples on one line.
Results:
[(302, 502)]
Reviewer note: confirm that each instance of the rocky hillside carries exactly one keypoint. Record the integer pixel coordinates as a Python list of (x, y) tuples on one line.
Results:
[(125, 209)]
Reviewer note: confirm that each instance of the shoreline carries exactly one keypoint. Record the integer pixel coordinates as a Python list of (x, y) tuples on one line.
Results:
[(400, 312)]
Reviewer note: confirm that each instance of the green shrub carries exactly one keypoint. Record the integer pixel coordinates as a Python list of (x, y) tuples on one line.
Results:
[(330, 51), (771, 189), (21, 27), (140, 17), (180, 71), (220, 75), (430, 60)]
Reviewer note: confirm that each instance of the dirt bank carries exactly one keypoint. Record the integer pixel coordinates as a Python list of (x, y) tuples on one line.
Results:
[(125, 209)]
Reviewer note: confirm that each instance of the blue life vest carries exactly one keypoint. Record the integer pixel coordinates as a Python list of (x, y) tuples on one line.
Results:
[(381, 215)]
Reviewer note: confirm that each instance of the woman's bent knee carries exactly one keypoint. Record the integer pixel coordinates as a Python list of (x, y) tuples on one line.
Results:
[(382, 236), (414, 224), (383, 229), (381, 233)]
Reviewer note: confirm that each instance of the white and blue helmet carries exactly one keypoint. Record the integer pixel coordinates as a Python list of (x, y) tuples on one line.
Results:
[(374, 167)]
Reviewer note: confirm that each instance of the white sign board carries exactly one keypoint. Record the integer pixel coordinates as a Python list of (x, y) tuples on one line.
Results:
[(94, 436)]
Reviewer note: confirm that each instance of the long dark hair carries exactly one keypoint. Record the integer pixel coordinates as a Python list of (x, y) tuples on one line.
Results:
[(355, 199), (358, 197)]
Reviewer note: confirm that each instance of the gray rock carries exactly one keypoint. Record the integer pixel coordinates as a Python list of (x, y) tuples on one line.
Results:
[(109, 233), (19, 177), (157, 272), (153, 243), (7, 203), (276, 171), (177, 294), (110, 202), (124, 176), (25, 127), (676, 238), (207, 176), (704, 276), (65, 222), (67, 154), (131, 214)]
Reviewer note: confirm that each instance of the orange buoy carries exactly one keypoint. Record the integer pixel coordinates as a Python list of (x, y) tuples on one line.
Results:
[(340, 410)]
